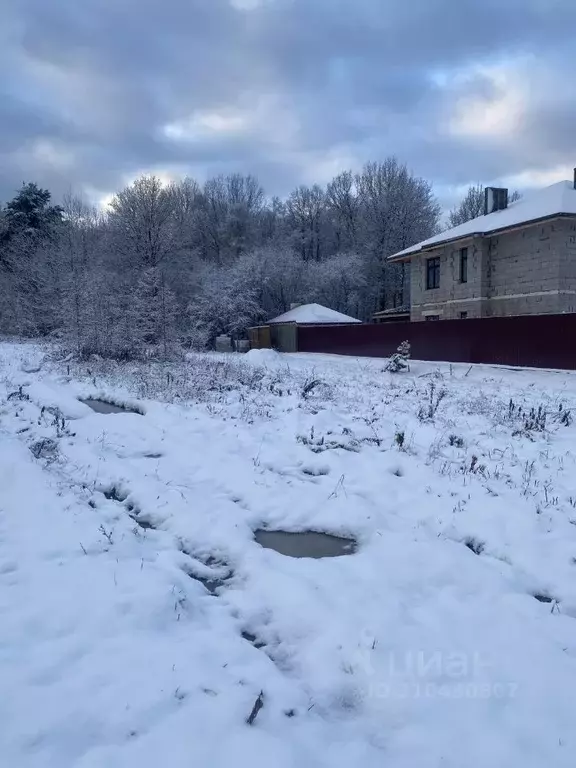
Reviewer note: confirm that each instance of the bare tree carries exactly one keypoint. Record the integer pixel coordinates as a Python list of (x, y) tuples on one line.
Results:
[(278, 275), (155, 312), (225, 303), (340, 283), (343, 210), (141, 221), (397, 209), (230, 207), (472, 205), (79, 250), (306, 207)]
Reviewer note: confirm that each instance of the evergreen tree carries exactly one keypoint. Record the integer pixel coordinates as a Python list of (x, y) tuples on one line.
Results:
[(29, 214), (400, 360)]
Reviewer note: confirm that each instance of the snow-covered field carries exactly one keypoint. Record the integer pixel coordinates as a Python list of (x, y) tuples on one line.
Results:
[(447, 639)]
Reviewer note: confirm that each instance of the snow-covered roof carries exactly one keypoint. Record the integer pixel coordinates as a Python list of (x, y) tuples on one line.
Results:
[(559, 198), (313, 313)]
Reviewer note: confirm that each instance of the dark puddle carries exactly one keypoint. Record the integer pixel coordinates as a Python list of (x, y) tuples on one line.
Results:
[(101, 406), (542, 598), (475, 546), (253, 639), (305, 543), (115, 494)]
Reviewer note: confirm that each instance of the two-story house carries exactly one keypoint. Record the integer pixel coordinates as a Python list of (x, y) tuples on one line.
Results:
[(517, 259)]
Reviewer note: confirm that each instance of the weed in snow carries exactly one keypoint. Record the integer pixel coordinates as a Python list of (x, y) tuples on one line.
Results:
[(46, 448), (434, 396), (400, 439), (456, 440)]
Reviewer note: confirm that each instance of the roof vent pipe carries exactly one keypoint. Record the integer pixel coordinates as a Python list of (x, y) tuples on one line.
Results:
[(495, 199)]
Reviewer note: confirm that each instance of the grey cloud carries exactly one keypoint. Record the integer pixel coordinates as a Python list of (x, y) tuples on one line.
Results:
[(102, 79)]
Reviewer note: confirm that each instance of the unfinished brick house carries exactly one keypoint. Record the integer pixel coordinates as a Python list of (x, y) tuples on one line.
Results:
[(517, 259)]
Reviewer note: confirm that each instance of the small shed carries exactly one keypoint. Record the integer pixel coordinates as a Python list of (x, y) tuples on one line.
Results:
[(282, 332)]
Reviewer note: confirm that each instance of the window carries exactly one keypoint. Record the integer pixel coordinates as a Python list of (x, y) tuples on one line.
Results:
[(433, 273), (432, 317), (463, 265), (398, 299), (463, 315)]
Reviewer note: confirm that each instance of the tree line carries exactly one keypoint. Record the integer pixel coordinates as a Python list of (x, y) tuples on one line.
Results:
[(179, 263)]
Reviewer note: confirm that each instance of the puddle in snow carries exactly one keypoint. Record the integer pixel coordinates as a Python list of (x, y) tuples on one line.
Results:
[(251, 638), (100, 406), (542, 598), (305, 543)]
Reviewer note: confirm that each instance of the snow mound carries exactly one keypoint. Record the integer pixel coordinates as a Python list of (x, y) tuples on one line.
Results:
[(262, 356)]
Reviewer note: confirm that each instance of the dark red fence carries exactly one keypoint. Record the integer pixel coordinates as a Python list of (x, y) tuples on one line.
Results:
[(539, 341)]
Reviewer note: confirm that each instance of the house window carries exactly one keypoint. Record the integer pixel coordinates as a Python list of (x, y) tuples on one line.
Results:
[(463, 315), (463, 265), (432, 317), (398, 299), (433, 273)]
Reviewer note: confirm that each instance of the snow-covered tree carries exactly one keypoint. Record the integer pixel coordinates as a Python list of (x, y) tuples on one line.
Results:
[(472, 205), (278, 278), (397, 209), (339, 282), (155, 312), (29, 214), (115, 283), (343, 211), (29, 275), (225, 304), (306, 209), (400, 360), (141, 222)]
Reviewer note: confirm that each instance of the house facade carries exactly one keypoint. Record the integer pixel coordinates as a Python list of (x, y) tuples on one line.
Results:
[(517, 259)]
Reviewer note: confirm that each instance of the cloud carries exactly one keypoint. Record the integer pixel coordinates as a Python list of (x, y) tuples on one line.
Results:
[(291, 90)]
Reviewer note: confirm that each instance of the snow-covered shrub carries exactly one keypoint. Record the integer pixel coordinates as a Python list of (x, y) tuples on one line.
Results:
[(309, 386), (400, 360)]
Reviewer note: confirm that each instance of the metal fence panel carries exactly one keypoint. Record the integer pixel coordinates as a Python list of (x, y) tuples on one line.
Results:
[(539, 341)]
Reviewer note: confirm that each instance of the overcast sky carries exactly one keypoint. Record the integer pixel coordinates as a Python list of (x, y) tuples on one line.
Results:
[(95, 92)]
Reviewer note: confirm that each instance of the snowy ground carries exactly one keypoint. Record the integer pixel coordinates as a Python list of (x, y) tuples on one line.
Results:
[(427, 647)]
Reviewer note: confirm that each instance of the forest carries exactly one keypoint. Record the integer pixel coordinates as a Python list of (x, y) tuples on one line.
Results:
[(167, 266)]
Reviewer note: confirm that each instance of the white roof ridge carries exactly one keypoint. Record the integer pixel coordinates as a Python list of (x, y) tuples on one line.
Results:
[(313, 314), (554, 200)]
